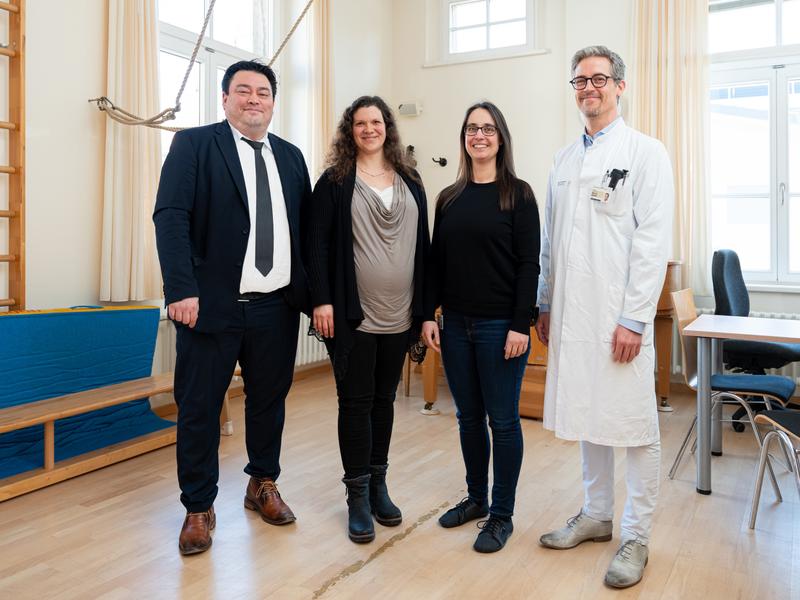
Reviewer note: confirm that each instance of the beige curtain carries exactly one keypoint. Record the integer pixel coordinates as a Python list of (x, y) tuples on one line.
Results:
[(670, 102), (129, 269), (323, 119)]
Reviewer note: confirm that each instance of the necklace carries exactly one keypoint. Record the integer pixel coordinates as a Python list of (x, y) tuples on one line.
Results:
[(382, 173)]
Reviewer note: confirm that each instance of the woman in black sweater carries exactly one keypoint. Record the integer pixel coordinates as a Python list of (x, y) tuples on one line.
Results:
[(483, 272), (367, 246)]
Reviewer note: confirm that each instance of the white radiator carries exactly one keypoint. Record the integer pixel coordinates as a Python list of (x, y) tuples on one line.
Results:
[(309, 349), (791, 370)]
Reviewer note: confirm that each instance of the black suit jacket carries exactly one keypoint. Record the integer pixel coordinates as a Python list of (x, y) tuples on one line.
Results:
[(202, 221)]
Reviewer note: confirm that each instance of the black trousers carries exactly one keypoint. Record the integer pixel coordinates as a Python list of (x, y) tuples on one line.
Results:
[(263, 338), (366, 400)]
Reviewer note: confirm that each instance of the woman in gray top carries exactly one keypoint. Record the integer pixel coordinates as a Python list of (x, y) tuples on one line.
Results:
[(367, 245)]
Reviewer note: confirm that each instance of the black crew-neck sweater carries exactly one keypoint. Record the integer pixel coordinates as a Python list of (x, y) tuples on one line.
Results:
[(485, 262)]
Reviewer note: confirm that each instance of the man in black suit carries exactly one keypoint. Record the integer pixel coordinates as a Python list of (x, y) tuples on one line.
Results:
[(228, 218)]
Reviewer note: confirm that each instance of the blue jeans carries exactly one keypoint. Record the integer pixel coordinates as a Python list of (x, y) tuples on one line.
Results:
[(484, 383)]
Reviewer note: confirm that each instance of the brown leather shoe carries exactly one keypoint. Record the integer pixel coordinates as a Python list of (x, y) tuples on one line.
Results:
[(196, 532), (263, 496)]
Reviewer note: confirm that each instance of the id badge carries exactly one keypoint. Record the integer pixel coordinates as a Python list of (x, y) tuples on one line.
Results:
[(601, 194)]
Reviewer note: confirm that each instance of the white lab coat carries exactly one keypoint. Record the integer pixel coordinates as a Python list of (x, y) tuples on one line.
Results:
[(601, 262)]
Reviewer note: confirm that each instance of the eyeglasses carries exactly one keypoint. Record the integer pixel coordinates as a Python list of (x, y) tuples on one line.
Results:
[(488, 130), (598, 81)]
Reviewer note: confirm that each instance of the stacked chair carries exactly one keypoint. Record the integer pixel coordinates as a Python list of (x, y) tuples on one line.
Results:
[(785, 427)]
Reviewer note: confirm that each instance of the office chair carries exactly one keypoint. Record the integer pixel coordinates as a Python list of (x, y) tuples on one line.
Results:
[(731, 298)]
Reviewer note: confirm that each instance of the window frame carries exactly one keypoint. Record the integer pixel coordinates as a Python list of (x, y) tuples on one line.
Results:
[(776, 51), (778, 73), (213, 55), (784, 61), (531, 37)]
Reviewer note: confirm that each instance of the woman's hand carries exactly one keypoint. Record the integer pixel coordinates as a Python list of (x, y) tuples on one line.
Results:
[(323, 319), (516, 344), (430, 335)]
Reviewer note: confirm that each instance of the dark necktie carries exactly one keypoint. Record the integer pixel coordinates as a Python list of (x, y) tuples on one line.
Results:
[(264, 229)]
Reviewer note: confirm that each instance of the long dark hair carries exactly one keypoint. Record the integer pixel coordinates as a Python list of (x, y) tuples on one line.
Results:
[(507, 181), (341, 157)]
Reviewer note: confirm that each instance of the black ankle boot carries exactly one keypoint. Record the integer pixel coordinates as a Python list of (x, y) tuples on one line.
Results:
[(359, 520), (385, 511)]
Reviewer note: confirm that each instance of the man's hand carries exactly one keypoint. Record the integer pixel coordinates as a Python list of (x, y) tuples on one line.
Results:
[(430, 335), (543, 327), (516, 344), (185, 311), (625, 344), (323, 319)]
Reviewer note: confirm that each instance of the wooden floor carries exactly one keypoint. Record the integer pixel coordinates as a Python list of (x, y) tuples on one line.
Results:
[(113, 533)]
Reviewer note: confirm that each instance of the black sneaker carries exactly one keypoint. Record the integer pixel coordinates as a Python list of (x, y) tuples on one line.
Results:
[(466, 510), (494, 535)]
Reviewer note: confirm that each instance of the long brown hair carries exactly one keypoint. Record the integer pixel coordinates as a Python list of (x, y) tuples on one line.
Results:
[(341, 158), (507, 181)]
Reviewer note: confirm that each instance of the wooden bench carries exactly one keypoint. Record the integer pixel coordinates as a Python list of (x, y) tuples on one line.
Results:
[(47, 412)]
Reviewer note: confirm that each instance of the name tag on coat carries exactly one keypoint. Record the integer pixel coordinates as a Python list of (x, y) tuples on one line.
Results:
[(601, 194)]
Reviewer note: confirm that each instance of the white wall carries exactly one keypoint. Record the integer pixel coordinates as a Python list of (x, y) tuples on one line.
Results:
[(363, 36), (66, 65)]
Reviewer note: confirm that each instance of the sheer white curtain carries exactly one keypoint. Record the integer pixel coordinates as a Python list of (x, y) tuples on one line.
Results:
[(323, 118), (129, 269), (670, 102)]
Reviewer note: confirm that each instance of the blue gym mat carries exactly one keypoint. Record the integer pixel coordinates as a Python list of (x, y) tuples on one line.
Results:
[(44, 354)]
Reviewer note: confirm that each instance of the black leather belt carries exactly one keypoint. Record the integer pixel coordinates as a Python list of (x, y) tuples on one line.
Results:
[(248, 296)]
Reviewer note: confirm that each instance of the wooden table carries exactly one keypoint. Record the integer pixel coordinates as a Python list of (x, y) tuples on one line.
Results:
[(710, 330)]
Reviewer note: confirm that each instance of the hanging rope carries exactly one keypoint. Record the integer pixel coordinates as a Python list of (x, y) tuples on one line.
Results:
[(124, 117), (291, 32)]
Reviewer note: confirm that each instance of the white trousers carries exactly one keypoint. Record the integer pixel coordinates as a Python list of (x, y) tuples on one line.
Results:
[(641, 477)]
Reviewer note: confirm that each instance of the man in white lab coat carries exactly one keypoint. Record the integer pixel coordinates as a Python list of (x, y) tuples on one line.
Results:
[(606, 240)]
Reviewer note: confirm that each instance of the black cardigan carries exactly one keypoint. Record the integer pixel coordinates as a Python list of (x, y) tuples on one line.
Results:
[(331, 265)]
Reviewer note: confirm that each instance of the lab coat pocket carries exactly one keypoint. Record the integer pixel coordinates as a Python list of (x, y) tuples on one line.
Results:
[(562, 189), (620, 201)]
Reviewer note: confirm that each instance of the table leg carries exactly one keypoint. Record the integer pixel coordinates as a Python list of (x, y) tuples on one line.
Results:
[(703, 415), (663, 340), (430, 371), (716, 414)]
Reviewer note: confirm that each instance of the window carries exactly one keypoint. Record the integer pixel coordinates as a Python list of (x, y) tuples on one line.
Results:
[(238, 30), (750, 24), (755, 136), (480, 29)]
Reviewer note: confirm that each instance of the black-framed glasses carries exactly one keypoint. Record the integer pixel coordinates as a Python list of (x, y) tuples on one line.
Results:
[(599, 80), (488, 130)]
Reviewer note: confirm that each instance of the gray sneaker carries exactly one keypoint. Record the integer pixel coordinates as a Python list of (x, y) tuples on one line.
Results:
[(627, 567), (580, 528)]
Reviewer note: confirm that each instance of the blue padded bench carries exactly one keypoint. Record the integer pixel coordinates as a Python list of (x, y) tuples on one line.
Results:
[(74, 388)]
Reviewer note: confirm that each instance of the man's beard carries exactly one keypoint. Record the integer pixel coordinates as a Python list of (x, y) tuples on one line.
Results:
[(592, 113)]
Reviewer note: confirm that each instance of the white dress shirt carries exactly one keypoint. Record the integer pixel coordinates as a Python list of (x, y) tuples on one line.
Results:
[(280, 275)]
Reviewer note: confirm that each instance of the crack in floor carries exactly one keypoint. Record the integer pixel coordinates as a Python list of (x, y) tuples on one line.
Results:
[(358, 565)]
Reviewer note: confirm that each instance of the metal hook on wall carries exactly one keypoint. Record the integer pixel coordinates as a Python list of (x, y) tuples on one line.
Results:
[(441, 161)]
